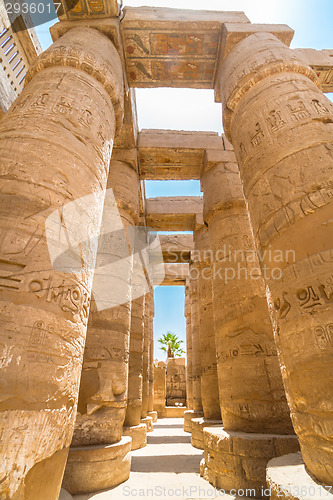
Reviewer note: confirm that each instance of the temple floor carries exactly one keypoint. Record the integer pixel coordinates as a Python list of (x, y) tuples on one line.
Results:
[(168, 467)]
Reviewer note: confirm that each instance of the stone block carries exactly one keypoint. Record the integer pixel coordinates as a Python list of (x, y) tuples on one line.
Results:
[(287, 478), (138, 433), (197, 428), (100, 467), (153, 415), (148, 421), (188, 415), (237, 460)]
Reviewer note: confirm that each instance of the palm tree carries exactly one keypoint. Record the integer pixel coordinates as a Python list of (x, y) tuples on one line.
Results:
[(171, 344)]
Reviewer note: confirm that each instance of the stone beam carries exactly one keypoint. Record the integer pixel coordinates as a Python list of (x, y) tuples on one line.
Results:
[(88, 9), (175, 274), (176, 247), (173, 213), (321, 61), (171, 47), (174, 155)]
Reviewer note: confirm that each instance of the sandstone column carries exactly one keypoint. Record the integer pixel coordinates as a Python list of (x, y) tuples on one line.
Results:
[(195, 327), (134, 403), (55, 145), (281, 126), (104, 380), (151, 412), (252, 396), (209, 382), (189, 381)]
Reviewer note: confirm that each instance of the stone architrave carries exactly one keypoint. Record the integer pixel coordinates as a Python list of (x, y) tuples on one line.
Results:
[(55, 142), (281, 127)]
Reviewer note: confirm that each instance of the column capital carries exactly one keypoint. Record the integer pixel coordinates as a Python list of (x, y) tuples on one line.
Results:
[(234, 33), (92, 52), (221, 185)]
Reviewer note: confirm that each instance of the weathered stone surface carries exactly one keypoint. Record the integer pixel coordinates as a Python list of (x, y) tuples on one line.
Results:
[(321, 61), (146, 357), (138, 433), (163, 47), (176, 382), (135, 373), (175, 274), (153, 415), (148, 422), (281, 126), (174, 155), (176, 248), (195, 326), (173, 213), (188, 415), (236, 460), (209, 380), (94, 468), (287, 478), (151, 355), (104, 380), (160, 387), (189, 376), (58, 115), (82, 9), (197, 428), (252, 396)]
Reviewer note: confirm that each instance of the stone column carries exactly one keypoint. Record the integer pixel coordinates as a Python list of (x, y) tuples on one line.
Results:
[(160, 388), (146, 362), (104, 380), (151, 412), (134, 402), (55, 143), (195, 328), (209, 382), (189, 381), (281, 126), (252, 396)]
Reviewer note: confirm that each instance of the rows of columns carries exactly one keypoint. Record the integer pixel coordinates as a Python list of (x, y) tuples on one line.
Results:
[(281, 127)]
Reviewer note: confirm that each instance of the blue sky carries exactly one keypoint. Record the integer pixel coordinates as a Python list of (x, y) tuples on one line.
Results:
[(189, 109)]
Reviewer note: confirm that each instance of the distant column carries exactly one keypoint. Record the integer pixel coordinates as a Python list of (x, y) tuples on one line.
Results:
[(209, 381), (189, 378)]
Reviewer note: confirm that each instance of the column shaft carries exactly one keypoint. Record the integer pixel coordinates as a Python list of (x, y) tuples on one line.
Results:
[(195, 329), (55, 143), (189, 376), (252, 396), (209, 380), (281, 126)]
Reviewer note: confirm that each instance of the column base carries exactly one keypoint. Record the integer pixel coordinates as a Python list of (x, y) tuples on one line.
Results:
[(197, 426), (238, 460), (64, 495), (188, 415), (287, 478), (138, 433), (148, 421), (153, 415), (97, 467)]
